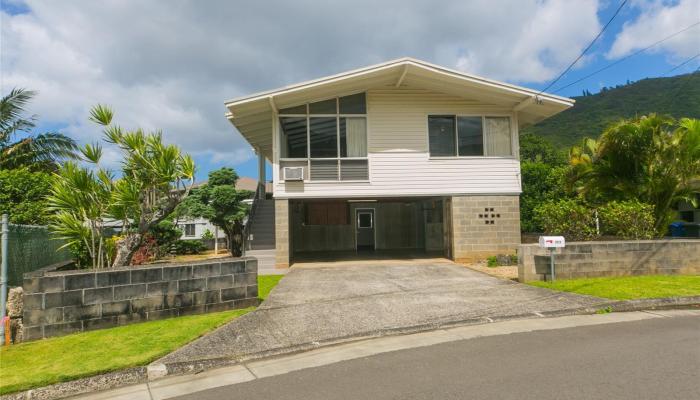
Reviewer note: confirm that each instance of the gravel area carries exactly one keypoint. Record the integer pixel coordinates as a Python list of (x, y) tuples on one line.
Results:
[(510, 272)]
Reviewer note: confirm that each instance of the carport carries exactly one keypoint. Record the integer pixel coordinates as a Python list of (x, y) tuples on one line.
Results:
[(379, 228)]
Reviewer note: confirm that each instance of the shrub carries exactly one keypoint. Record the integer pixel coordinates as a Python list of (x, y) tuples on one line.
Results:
[(627, 219), (568, 218), (492, 261), (207, 235), (189, 247)]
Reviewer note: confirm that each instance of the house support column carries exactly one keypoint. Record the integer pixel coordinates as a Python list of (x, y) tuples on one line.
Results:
[(484, 226), (261, 170), (282, 233)]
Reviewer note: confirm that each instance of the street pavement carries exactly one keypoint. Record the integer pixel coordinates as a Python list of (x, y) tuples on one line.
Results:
[(648, 358)]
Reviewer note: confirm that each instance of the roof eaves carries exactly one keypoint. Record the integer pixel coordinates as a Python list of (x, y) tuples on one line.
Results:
[(393, 63)]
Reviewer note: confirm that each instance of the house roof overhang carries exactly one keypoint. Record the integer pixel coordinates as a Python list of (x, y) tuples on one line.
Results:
[(253, 115)]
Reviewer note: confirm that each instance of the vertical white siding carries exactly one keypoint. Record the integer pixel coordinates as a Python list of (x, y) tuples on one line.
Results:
[(399, 163)]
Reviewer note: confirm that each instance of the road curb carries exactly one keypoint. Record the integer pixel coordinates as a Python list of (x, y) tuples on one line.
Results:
[(157, 370)]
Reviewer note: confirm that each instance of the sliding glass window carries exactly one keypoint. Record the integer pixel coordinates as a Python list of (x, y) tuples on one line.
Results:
[(465, 136), (331, 135)]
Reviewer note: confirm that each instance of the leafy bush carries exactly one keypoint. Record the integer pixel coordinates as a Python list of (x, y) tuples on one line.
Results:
[(492, 261), (627, 219), (568, 218), (189, 247), (541, 183), (23, 195), (207, 235)]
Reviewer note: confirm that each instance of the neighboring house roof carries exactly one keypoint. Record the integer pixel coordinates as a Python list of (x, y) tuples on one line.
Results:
[(244, 183), (252, 115)]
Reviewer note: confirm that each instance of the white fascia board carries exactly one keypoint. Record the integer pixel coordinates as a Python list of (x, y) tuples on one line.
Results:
[(392, 64)]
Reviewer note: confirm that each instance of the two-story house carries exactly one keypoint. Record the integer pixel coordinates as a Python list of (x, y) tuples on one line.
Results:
[(403, 155)]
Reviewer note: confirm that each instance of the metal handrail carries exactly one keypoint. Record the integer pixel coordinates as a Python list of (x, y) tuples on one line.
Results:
[(259, 196)]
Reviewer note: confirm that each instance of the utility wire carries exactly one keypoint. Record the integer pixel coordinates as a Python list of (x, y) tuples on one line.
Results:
[(626, 57), (682, 64), (587, 48), (688, 78)]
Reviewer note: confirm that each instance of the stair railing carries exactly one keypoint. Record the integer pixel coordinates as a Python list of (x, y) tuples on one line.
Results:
[(257, 198)]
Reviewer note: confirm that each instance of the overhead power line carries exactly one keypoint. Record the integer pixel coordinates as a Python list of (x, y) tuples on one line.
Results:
[(587, 47), (682, 64), (627, 57)]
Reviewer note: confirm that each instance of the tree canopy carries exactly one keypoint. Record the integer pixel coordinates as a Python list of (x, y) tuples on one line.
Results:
[(20, 147), (222, 204)]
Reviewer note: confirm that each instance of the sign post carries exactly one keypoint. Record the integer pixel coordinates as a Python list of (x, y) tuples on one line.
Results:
[(551, 243)]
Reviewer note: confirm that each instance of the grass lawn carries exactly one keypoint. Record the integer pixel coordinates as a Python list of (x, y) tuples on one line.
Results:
[(629, 287), (70, 357)]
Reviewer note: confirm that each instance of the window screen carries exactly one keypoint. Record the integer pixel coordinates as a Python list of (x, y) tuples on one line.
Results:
[(470, 136), (441, 135), (323, 134), (354, 104), (293, 137)]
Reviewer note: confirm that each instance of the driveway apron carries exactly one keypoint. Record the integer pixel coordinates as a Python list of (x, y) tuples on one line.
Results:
[(333, 302)]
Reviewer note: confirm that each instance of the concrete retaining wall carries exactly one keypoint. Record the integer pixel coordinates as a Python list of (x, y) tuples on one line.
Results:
[(615, 258), (62, 302)]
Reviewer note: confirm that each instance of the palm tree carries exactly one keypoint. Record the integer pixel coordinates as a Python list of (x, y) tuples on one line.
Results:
[(652, 159), (35, 151)]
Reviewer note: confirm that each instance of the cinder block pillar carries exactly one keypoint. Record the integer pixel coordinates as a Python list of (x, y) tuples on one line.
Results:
[(484, 226), (281, 233)]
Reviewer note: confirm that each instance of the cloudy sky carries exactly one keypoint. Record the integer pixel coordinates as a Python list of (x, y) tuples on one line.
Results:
[(170, 64)]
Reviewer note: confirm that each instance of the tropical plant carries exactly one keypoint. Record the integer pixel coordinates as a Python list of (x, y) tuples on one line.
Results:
[(222, 204), (154, 179), (19, 147), (80, 199), (651, 159)]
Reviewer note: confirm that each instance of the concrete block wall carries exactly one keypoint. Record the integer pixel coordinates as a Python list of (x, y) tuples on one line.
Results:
[(614, 258), (62, 302), (282, 233), (484, 226)]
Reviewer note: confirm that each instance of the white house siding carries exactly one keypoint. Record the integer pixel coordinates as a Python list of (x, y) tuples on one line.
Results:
[(399, 163)]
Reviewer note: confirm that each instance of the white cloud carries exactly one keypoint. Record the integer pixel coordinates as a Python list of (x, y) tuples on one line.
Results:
[(171, 64), (658, 19)]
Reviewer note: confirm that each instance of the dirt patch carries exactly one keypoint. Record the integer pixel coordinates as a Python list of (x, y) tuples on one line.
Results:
[(509, 272)]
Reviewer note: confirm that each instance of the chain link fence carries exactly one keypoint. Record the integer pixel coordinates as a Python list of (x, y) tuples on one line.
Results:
[(31, 248)]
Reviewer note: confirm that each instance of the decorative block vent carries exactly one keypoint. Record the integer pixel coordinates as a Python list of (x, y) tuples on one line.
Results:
[(489, 216)]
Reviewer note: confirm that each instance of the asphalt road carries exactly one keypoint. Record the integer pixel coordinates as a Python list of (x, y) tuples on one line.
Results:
[(649, 359)]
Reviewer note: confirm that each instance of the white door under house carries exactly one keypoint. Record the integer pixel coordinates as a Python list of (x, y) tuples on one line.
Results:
[(327, 226)]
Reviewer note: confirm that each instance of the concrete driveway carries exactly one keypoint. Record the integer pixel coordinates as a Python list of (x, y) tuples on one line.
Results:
[(330, 302)]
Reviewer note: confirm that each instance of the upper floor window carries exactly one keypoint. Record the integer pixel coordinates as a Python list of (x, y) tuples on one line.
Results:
[(334, 128), (329, 135), (450, 136)]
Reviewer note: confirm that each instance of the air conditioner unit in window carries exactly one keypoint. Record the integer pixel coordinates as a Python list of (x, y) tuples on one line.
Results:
[(293, 173)]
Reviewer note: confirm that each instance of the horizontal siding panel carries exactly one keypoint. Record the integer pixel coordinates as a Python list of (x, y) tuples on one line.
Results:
[(399, 163)]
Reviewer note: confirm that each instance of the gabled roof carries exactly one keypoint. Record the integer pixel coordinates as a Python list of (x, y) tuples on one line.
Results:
[(252, 114)]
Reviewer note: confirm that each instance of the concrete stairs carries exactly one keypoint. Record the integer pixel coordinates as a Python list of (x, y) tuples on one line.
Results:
[(262, 230), (262, 235)]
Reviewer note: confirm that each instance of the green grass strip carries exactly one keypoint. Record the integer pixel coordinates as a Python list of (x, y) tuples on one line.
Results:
[(629, 287), (44, 362)]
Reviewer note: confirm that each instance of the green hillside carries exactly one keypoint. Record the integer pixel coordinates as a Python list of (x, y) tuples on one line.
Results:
[(678, 96)]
